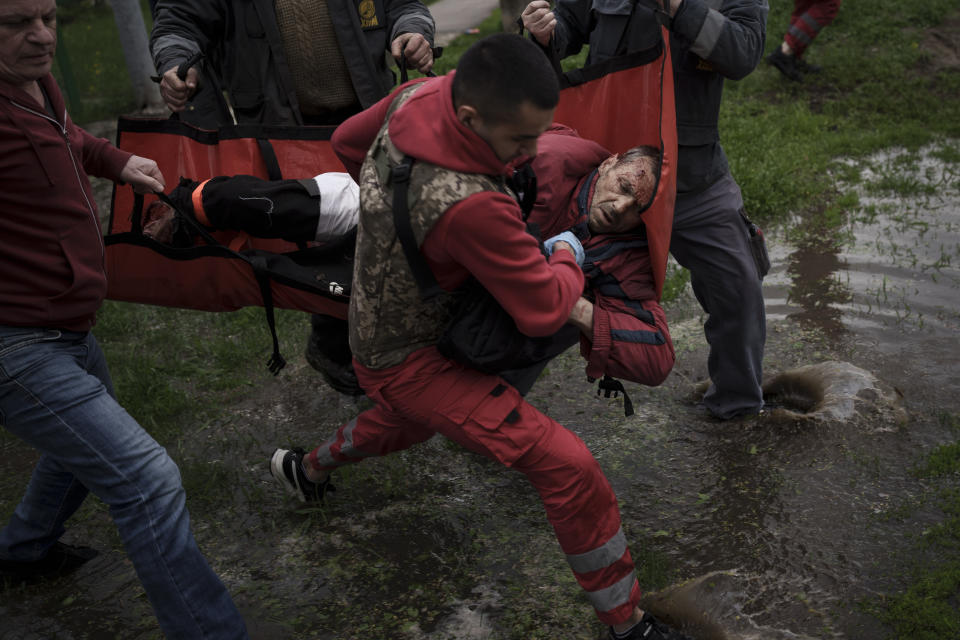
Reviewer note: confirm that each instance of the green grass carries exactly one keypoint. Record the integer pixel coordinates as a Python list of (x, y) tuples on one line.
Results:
[(174, 368), (783, 138), (453, 51), (929, 607), (90, 66)]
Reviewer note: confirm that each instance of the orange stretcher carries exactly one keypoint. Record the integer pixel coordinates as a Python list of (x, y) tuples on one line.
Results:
[(621, 103)]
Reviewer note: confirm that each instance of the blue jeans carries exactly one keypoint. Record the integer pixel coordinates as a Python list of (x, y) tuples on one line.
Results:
[(56, 395)]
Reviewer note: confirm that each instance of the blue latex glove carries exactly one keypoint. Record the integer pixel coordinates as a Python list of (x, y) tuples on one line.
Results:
[(569, 238)]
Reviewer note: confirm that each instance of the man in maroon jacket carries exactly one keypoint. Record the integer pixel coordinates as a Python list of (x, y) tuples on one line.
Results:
[(55, 389), (600, 198)]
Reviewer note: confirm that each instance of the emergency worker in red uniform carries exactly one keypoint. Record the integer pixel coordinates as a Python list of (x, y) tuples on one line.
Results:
[(463, 131)]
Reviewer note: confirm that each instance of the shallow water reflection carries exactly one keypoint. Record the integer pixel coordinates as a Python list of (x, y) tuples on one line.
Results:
[(816, 518), (895, 283)]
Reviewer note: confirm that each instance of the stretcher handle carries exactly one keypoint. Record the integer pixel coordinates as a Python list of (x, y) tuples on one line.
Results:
[(186, 64), (404, 76), (183, 68)]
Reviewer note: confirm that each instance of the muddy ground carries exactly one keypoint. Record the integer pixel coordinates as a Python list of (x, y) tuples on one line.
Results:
[(775, 527), (439, 543)]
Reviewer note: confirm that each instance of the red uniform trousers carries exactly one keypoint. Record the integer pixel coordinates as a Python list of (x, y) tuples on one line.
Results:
[(808, 17), (429, 394)]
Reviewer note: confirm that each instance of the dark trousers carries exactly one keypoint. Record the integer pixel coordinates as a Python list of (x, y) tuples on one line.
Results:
[(710, 239)]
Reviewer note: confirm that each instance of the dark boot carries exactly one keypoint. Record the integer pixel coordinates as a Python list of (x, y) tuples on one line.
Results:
[(328, 351), (806, 67), (649, 628), (787, 65)]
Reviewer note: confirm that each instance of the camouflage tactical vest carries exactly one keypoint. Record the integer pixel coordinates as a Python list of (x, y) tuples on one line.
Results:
[(388, 320)]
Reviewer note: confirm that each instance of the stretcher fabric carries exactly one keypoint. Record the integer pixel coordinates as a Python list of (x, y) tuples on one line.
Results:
[(627, 99), (226, 277)]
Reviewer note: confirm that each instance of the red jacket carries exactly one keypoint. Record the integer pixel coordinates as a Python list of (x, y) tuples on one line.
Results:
[(52, 257), (630, 335), (483, 235)]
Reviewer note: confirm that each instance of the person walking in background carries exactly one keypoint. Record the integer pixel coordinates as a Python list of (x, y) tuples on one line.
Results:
[(710, 41), (55, 388), (806, 21)]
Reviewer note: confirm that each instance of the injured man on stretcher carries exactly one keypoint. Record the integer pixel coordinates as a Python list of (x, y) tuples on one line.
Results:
[(581, 189)]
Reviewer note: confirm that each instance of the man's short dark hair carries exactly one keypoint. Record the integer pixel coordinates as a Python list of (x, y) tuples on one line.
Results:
[(635, 153), (501, 72)]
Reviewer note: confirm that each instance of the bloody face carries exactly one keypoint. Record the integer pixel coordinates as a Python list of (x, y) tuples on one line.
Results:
[(621, 189)]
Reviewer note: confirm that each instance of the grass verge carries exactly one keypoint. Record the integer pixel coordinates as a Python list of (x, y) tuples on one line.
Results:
[(929, 607)]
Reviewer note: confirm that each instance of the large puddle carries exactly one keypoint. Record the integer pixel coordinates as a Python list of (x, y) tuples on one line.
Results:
[(892, 289), (817, 517)]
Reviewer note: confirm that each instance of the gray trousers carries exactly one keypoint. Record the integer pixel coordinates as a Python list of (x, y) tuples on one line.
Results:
[(710, 239)]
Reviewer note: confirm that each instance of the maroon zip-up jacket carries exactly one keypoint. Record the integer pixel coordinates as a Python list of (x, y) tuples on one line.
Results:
[(51, 248)]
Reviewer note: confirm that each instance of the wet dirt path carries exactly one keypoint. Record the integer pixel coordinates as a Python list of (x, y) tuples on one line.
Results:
[(784, 527), (820, 516)]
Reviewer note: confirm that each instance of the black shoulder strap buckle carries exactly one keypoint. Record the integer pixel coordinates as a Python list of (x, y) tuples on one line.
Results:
[(401, 172)]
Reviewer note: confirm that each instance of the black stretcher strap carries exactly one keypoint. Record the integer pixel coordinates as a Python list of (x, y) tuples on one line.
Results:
[(260, 271), (610, 387), (270, 159)]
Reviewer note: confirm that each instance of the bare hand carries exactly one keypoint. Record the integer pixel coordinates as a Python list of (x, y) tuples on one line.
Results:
[(581, 316), (415, 48), (158, 222), (143, 174), (560, 244), (539, 20), (175, 91)]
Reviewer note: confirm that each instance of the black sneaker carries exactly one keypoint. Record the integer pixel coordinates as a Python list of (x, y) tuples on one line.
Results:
[(650, 629), (806, 67), (285, 467), (786, 64), (60, 560)]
